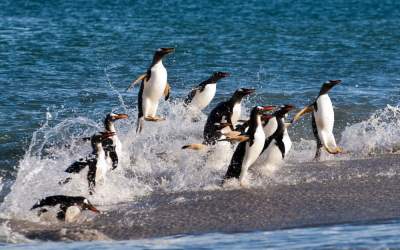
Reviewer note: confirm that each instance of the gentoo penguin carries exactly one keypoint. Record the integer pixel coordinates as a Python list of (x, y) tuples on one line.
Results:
[(112, 146), (97, 162), (203, 94), (153, 85), (323, 119), (222, 119), (69, 206), (247, 152), (278, 144)]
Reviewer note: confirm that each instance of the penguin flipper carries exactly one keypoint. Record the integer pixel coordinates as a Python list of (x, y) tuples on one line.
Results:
[(76, 167), (305, 110), (191, 95), (167, 91), (91, 177), (139, 79)]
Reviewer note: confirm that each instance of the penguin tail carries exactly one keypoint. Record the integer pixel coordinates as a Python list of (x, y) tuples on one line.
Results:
[(195, 146), (140, 124)]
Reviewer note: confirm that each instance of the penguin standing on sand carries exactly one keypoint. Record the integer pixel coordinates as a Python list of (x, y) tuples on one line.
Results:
[(278, 144), (97, 162), (113, 146), (69, 206), (248, 151), (153, 85), (323, 118), (203, 94)]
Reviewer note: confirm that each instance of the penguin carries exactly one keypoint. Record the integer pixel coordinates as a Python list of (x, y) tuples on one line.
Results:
[(69, 206), (322, 120), (222, 119), (112, 146), (97, 162), (247, 152), (203, 94), (153, 85), (278, 144)]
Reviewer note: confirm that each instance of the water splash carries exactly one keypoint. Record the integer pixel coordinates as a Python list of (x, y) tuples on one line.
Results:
[(153, 160)]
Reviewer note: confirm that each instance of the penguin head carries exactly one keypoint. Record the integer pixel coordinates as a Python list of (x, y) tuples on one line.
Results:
[(97, 139), (284, 110), (86, 205), (240, 93), (216, 76), (328, 86), (110, 118), (258, 111), (161, 52)]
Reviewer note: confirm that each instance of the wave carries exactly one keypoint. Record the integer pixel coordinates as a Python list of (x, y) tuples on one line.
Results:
[(153, 160)]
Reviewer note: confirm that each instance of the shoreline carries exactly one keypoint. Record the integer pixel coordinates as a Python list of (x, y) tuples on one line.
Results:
[(353, 191)]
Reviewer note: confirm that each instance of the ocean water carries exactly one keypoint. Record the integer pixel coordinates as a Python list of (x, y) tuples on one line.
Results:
[(65, 64)]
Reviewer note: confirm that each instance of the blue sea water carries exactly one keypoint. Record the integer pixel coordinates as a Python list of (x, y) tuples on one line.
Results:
[(65, 60)]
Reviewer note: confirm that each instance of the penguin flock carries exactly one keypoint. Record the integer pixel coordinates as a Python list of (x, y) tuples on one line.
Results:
[(263, 137)]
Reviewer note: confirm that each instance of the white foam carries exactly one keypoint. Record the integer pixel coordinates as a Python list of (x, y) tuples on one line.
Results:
[(154, 160)]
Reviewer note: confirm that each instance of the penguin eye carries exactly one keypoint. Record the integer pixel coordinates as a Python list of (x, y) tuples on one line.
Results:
[(85, 201)]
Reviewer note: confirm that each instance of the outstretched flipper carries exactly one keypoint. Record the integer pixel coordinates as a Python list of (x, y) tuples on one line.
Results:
[(305, 110), (138, 80), (233, 136), (91, 177), (77, 166), (167, 91)]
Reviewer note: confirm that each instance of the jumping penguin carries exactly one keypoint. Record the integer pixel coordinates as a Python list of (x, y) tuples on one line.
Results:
[(69, 206), (153, 85), (222, 119), (97, 162), (113, 146), (203, 94), (323, 118), (248, 151), (278, 144)]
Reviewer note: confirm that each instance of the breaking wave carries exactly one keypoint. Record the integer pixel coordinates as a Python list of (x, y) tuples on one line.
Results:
[(154, 161)]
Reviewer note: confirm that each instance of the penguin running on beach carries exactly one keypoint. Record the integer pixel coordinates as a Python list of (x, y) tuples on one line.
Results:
[(323, 118), (69, 206), (247, 152), (153, 85), (112, 145), (203, 94), (277, 144), (97, 162), (222, 119)]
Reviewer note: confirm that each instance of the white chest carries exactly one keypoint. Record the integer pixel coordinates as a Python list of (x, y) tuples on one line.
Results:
[(287, 142), (324, 116), (270, 127), (203, 98), (236, 113), (102, 165), (155, 86)]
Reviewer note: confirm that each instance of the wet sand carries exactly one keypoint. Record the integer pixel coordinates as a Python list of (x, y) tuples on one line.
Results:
[(306, 194)]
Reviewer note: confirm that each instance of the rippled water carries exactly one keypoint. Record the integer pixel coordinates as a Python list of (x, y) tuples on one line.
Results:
[(372, 236), (65, 64)]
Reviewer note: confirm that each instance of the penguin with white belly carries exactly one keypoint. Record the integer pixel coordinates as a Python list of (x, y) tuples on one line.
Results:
[(69, 208), (277, 143), (247, 152), (153, 85), (97, 162), (222, 119), (113, 146), (203, 94), (323, 118)]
